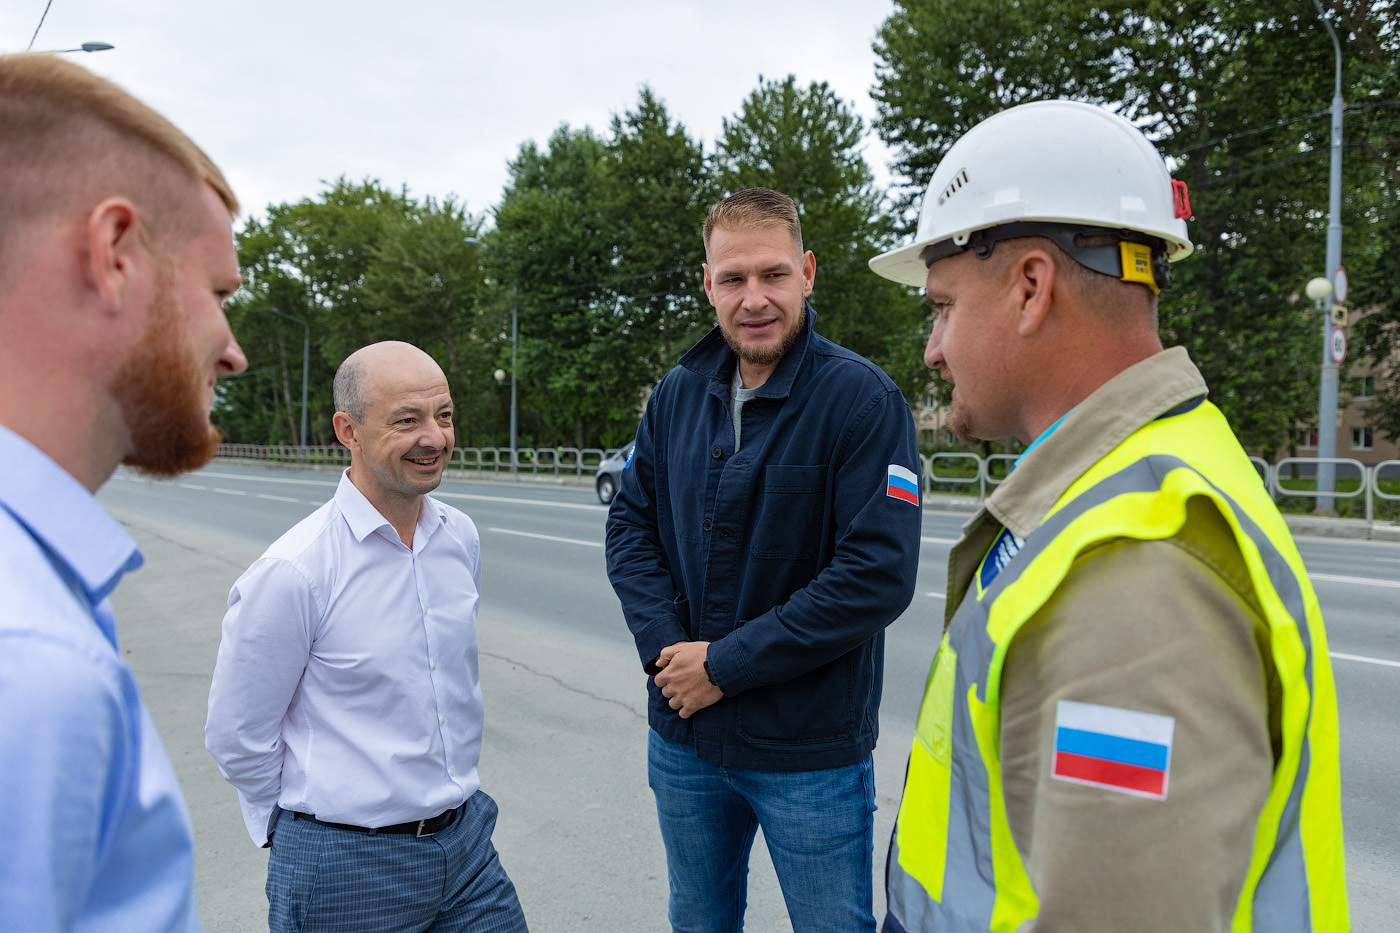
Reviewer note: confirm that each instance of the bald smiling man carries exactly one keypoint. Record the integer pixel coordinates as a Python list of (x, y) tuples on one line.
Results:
[(346, 707)]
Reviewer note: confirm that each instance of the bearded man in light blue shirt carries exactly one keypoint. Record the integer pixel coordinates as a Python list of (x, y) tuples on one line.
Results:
[(116, 253), (346, 704)]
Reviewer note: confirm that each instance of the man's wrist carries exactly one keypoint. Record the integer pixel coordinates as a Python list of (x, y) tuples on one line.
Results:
[(709, 675)]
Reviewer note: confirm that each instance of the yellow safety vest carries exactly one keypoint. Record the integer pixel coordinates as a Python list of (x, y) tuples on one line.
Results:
[(953, 864)]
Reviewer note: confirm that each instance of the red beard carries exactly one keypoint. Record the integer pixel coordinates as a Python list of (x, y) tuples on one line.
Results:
[(161, 394)]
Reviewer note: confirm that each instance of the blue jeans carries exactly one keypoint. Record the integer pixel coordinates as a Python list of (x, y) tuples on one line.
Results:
[(819, 826), (326, 880)]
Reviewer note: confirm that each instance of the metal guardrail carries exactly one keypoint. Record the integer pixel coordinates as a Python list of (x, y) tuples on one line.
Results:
[(1277, 488), (1376, 479), (557, 461), (983, 472)]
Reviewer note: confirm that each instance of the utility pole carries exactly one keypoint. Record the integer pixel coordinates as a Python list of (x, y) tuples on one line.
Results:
[(1327, 403)]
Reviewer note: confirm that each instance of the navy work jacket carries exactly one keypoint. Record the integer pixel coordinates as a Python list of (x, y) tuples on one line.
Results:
[(790, 556)]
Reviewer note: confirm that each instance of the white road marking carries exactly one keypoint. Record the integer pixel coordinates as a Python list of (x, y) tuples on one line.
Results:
[(188, 485), (554, 505), (1389, 560), (263, 495), (937, 595), (437, 494), (1363, 658), (939, 540), (531, 534), (230, 492), (1364, 581), (268, 479)]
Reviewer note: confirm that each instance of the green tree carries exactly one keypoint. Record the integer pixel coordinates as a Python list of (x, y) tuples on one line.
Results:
[(358, 264), (660, 194), (1233, 94), (554, 249), (424, 285), (806, 142)]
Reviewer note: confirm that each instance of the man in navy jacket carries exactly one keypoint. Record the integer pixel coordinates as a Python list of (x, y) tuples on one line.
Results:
[(765, 533)]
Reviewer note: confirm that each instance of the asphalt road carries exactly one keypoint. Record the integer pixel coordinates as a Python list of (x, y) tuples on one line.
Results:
[(564, 746)]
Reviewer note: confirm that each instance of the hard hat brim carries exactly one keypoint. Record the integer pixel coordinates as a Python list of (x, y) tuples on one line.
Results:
[(904, 265)]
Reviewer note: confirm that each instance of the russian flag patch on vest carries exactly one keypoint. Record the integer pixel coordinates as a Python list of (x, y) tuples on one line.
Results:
[(902, 484), (1116, 749)]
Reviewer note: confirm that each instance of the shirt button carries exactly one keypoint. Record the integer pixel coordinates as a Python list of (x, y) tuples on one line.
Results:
[(452, 772), (442, 719), (433, 664), (707, 524), (716, 453)]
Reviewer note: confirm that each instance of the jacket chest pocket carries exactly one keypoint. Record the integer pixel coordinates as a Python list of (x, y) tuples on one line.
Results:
[(789, 513)]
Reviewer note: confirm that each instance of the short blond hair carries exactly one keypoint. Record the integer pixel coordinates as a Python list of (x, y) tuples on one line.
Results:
[(754, 207), (69, 138)]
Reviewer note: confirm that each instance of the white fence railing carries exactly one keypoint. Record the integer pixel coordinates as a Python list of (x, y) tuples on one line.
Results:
[(944, 468), (556, 461)]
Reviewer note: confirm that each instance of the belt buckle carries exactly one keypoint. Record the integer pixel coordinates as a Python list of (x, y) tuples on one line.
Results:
[(419, 834)]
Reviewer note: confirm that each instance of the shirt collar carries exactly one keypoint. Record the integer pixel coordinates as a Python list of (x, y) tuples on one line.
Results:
[(712, 358), (1089, 432), (364, 519), (64, 517)]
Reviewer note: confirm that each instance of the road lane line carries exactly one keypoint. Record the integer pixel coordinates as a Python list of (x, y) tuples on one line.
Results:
[(263, 495), (531, 534), (230, 492), (268, 479), (937, 595), (1389, 560), (191, 486), (940, 540), (554, 505), (1363, 658), (1365, 581)]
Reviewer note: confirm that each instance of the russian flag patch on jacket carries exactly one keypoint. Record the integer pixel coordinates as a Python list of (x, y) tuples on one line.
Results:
[(1116, 749), (902, 483)]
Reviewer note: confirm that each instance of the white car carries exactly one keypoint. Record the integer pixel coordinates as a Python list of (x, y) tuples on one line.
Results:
[(609, 475)]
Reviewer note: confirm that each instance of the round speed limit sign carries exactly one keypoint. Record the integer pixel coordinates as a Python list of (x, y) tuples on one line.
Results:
[(1338, 345)]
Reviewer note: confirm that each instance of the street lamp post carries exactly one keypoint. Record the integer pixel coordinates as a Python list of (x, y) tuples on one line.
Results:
[(1327, 402), (514, 349), (1319, 290), (87, 47), (305, 370)]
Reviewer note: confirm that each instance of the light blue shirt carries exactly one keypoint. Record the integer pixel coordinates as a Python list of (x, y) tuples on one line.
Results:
[(94, 835)]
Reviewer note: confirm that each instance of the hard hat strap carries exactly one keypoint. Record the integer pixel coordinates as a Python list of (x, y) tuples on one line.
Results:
[(1117, 260)]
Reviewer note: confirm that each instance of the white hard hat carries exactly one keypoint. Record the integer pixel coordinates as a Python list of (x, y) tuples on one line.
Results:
[(1050, 168)]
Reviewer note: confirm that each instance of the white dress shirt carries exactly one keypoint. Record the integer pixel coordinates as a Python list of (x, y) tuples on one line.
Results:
[(347, 680)]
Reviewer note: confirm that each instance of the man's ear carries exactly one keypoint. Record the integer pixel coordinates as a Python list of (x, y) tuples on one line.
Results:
[(809, 272), (345, 431), (120, 262), (709, 285), (1033, 282)]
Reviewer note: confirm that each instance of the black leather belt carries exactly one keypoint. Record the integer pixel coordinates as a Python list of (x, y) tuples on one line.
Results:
[(420, 828)]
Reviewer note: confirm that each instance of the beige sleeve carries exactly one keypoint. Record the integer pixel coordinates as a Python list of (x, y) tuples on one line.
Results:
[(1167, 627)]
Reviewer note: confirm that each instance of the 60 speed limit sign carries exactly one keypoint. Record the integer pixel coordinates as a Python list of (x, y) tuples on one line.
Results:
[(1338, 345)]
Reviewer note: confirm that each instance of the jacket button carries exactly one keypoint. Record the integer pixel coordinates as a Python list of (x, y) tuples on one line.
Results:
[(707, 524), (716, 453)]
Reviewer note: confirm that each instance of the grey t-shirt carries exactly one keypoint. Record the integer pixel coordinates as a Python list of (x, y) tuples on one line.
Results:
[(738, 395)]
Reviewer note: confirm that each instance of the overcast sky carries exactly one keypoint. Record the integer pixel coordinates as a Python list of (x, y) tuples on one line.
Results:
[(438, 95)]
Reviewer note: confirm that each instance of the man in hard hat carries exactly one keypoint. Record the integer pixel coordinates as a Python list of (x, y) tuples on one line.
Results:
[(765, 533), (116, 254), (1130, 723)]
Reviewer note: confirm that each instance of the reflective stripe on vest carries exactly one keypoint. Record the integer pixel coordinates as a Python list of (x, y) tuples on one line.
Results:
[(953, 864)]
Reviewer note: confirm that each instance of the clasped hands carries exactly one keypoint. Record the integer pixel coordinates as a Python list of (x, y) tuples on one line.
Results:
[(683, 680)]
